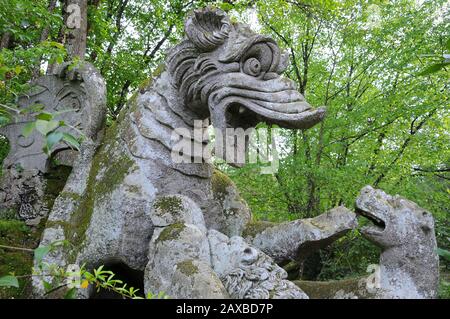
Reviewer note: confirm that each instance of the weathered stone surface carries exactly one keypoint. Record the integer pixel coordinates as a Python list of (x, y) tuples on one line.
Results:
[(140, 200), (248, 273), (409, 264), (232, 73), (23, 192), (173, 209), (179, 253), (80, 102), (177, 250), (115, 214), (352, 288), (231, 214), (297, 239)]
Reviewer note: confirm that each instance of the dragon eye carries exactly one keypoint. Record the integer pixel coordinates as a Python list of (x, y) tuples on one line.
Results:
[(252, 67)]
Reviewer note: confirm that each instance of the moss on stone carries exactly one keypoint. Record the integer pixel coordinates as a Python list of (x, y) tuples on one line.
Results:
[(255, 227), (55, 223), (71, 195), (187, 267), (219, 183), (328, 289), (8, 213), (107, 173), (144, 85), (168, 204), (15, 233), (171, 232)]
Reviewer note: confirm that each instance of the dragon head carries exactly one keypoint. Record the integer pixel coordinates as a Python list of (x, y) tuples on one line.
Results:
[(226, 72), (396, 220)]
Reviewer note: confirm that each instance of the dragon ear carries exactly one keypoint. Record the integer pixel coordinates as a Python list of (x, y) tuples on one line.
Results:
[(208, 28)]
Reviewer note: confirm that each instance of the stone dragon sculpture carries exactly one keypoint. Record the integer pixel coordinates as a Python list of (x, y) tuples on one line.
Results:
[(180, 222), (409, 264)]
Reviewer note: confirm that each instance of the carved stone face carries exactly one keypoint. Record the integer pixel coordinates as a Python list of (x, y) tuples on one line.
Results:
[(395, 220), (228, 73)]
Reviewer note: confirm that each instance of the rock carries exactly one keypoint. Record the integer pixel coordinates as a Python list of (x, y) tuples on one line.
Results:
[(177, 252), (114, 213), (409, 264), (352, 288), (248, 273), (231, 214), (297, 239), (172, 209), (33, 222), (82, 103), (148, 197)]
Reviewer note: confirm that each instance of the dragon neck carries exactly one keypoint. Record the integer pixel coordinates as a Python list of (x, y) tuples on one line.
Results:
[(150, 124), (410, 262)]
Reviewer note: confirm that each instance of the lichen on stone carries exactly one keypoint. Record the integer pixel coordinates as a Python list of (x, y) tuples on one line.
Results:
[(348, 288), (144, 85), (255, 227), (187, 267), (219, 183), (168, 204), (171, 232), (107, 173), (70, 195)]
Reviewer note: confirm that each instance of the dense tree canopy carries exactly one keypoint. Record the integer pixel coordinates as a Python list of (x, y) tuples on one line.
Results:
[(380, 67)]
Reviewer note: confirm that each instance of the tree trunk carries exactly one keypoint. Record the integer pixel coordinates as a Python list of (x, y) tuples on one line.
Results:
[(5, 40), (76, 24), (44, 35)]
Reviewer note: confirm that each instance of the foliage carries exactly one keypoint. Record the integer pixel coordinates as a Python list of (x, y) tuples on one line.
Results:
[(127, 41), (55, 278), (369, 63), (380, 68), (22, 59)]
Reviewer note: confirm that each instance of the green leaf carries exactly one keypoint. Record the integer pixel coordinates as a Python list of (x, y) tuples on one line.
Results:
[(40, 252), (3, 120), (433, 68), (53, 138), (41, 126), (9, 281), (59, 59), (444, 253), (3, 71), (44, 116), (28, 129), (47, 286), (46, 127), (226, 6), (71, 293), (71, 141), (18, 69)]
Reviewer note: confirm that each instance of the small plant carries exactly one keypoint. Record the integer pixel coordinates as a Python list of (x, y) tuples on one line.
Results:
[(45, 123), (55, 278)]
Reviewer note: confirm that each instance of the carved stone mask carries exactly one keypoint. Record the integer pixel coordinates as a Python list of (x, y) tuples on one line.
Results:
[(227, 72)]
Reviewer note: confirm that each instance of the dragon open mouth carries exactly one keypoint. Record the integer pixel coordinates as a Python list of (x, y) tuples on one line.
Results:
[(248, 101), (377, 226)]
